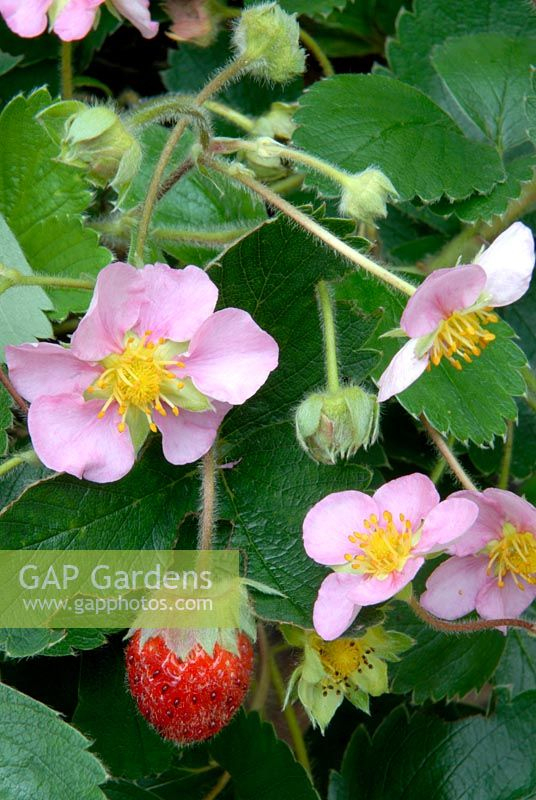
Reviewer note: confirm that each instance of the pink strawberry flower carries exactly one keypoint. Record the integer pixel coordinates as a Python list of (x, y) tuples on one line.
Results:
[(493, 568), (450, 313), (72, 19), (151, 353), (376, 545)]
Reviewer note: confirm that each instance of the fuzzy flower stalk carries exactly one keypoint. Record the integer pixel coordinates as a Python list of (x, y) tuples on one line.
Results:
[(72, 19), (451, 315), (493, 567), (376, 545), (150, 354)]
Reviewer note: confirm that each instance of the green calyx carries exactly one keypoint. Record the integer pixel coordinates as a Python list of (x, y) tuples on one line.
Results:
[(334, 425), (266, 39), (96, 139), (354, 668), (364, 196)]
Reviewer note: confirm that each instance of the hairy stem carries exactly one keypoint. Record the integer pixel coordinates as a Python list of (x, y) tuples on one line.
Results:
[(175, 177), (228, 73), (216, 237), (506, 461), (330, 336), (54, 281), (8, 386), (312, 227), (290, 716), (208, 489), (468, 627), (298, 156), (218, 787), (67, 70), (230, 114), (25, 457), (453, 463), (315, 49), (263, 683)]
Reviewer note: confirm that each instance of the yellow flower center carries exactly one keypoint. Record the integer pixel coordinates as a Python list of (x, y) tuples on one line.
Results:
[(138, 377), (383, 548), (462, 335), (515, 554), (340, 659)]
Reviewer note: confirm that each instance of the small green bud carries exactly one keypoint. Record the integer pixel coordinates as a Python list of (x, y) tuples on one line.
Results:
[(267, 38), (94, 138), (364, 196), (277, 126), (278, 123), (330, 426)]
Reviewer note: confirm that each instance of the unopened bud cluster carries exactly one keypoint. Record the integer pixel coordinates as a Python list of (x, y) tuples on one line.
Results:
[(364, 195)]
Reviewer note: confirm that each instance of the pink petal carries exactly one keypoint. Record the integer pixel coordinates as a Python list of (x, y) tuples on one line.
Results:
[(512, 508), (69, 437), (412, 495), (441, 293), (403, 370), (333, 611), (487, 526), (176, 301), (496, 602), (452, 588), (28, 18), (331, 521), (447, 521), (230, 357), (137, 12), (367, 591), (76, 19), (113, 311), (190, 435), (508, 264), (47, 369)]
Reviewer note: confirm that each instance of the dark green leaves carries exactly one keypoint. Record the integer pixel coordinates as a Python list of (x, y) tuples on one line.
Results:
[(423, 756), (41, 756), (260, 764), (140, 512), (356, 121), (5, 418)]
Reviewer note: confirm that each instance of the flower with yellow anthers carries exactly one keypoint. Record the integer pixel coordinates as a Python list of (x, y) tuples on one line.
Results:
[(150, 354), (376, 545), (493, 568), (451, 316), (354, 668)]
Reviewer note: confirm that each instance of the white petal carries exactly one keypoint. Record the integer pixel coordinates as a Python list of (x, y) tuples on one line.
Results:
[(403, 370), (508, 264)]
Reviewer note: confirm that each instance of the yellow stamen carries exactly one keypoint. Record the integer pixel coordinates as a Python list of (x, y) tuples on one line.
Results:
[(462, 335), (383, 549), (515, 554)]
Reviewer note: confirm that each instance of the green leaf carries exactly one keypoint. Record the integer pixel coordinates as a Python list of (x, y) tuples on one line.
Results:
[(517, 667), (355, 121), (260, 764), (76, 639), (41, 200), (272, 274), (484, 207), (268, 494), (441, 665), (13, 484), (488, 76), (523, 463), (141, 511), (200, 215), (107, 714), (7, 62), (21, 307), (25, 642), (6, 418), (41, 756), (472, 404), (522, 317), (434, 21), (121, 790), (423, 756)]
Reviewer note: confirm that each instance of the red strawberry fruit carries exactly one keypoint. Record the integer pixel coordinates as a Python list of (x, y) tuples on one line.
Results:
[(187, 693)]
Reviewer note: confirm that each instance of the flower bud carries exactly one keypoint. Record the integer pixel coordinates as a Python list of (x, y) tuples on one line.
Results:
[(364, 196), (330, 426), (268, 39), (95, 138)]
